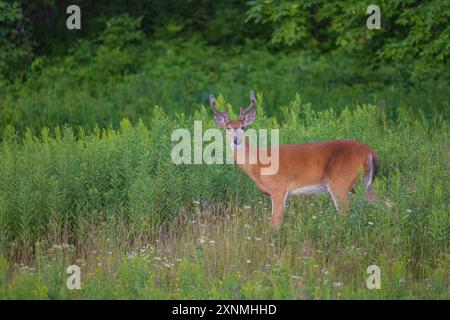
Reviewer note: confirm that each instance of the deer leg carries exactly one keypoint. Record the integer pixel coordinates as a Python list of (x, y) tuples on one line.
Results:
[(278, 201), (339, 194), (370, 195), (262, 188)]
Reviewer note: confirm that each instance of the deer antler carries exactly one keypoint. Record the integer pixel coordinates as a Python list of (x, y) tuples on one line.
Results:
[(242, 112), (217, 114)]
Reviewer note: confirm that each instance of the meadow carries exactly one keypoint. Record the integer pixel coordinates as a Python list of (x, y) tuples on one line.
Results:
[(86, 176), (141, 227)]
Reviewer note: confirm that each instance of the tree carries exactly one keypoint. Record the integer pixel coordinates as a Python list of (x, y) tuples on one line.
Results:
[(410, 30)]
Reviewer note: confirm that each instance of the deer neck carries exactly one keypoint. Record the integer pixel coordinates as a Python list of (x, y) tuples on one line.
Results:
[(243, 160)]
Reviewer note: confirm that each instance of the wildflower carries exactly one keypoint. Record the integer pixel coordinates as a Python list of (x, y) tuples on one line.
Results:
[(314, 217), (196, 202), (249, 261), (325, 282), (408, 210), (258, 239), (212, 242), (235, 292), (249, 238), (131, 255), (370, 223), (337, 284), (247, 207), (157, 258)]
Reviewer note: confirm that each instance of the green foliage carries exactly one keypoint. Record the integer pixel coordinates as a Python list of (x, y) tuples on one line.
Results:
[(100, 83), (15, 46), (86, 175), (122, 30), (162, 19), (412, 30)]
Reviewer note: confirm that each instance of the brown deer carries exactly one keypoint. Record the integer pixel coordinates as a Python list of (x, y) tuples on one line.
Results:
[(310, 168)]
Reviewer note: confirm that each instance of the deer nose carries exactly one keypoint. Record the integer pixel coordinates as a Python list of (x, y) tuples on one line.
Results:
[(235, 140)]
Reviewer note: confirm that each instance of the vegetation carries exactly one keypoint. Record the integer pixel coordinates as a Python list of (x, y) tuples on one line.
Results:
[(92, 199), (416, 31), (86, 176)]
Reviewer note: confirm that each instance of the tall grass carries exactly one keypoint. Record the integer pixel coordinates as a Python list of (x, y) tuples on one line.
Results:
[(140, 226)]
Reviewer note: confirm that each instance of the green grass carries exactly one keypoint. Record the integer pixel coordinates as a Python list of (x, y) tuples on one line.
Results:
[(140, 227), (99, 85)]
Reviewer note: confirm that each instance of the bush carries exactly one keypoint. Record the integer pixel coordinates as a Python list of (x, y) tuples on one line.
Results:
[(411, 31), (98, 84), (15, 44)]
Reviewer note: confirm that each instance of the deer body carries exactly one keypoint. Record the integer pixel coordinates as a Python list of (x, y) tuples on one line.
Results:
[(310, 168)]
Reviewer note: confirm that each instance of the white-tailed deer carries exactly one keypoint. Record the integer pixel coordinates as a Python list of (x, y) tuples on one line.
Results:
[(310, 168)]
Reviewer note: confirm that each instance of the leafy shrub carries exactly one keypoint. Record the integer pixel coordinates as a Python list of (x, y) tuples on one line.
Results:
[(15, 45), (99, 85), (416, 31)]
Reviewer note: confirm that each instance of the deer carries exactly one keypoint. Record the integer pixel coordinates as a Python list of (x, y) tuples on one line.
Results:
[(304, 169)]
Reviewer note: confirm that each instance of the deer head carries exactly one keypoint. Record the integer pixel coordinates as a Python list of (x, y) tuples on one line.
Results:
[(234, 128)]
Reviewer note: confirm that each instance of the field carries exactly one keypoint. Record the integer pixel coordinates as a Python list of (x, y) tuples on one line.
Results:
[(140, 227), (87, 179)]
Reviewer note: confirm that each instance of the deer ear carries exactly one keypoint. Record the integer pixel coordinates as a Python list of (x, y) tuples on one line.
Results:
[(220, 121), (222, 118), (249, 117)]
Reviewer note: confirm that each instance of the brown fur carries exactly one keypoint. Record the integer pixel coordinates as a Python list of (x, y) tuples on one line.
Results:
[(337, 164), (334, 165)]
